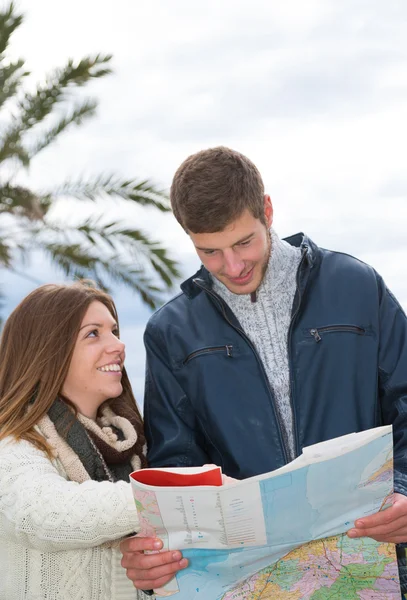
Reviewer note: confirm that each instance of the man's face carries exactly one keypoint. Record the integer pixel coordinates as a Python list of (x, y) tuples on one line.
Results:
[(239, 254)]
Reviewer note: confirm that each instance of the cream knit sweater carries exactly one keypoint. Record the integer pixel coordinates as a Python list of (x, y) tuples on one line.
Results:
[(55, 533)]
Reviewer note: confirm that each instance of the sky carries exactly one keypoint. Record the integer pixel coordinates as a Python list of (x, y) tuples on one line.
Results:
[(314, 93)]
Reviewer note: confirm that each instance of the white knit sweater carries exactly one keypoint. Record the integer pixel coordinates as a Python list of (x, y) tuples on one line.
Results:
[(55, 533)]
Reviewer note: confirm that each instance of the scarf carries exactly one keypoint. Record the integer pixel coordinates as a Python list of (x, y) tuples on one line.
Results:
[(107, 449)]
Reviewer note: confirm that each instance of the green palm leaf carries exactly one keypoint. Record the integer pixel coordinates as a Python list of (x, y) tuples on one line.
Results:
[(140, 192), (108, 251)]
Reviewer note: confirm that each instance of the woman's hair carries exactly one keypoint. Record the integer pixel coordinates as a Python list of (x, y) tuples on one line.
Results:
[(36, 348)]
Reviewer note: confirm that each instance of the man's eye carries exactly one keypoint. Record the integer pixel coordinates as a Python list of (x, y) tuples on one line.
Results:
[(209, 252), (246, 243)]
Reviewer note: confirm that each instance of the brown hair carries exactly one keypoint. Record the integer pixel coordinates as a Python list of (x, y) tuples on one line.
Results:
[(214, 187), (36, 348)]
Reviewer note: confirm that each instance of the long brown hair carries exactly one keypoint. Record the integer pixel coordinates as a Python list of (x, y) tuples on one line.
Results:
[(36, 348)]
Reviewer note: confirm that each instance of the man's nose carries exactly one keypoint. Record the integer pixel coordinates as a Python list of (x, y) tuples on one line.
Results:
[(233, 264)]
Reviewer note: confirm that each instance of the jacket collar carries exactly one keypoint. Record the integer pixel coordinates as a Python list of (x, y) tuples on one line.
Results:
[(300, 240), (202, 279)]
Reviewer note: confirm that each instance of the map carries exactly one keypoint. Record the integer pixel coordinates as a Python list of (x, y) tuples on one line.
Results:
[(332, 569), (281, 535)]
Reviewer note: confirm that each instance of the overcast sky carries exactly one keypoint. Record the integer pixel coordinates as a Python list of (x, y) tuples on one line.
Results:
[(315, 93)]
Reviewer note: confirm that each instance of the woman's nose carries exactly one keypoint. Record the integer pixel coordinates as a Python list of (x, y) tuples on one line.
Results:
[(116, 345)]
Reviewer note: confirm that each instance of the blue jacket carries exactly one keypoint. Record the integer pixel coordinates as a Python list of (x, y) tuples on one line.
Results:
[(207, 397)]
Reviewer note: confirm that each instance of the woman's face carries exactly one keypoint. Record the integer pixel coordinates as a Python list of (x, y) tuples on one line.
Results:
[(95, 371)]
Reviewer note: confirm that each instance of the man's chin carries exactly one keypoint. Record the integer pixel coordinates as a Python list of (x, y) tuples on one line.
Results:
[(241, 290)]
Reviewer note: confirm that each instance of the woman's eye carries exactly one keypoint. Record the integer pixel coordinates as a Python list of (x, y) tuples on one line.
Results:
[(93, 333), (116, 332)]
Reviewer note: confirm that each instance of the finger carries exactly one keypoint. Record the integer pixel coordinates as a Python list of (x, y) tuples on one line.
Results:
[(398, 527), (144, 585), (380, 518), (139, 544), (156, 577), (142, 562)]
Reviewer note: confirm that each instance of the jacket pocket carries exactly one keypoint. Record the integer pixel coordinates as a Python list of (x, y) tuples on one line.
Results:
[(318, 332), (227, 349)]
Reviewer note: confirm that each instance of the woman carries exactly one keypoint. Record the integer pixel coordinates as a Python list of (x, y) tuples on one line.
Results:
[(70, 434)]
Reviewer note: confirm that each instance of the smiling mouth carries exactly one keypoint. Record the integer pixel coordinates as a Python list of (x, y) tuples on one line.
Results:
[(242, 278), (113, 368)]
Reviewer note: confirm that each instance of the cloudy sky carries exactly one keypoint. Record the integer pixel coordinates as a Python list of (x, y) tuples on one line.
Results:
[(315, 93)]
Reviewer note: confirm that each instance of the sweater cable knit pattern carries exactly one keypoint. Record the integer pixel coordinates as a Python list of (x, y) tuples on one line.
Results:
[(54, 543), (266, 323)]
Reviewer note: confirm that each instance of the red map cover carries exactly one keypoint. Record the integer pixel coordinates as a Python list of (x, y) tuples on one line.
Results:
[(179, 477)]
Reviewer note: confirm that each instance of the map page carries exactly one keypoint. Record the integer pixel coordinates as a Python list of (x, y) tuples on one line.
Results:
[(281, 534)]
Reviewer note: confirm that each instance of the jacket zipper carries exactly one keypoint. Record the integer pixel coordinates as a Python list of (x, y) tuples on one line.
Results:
[(242, 333), (228, 348), (315, 332), (290, 366)]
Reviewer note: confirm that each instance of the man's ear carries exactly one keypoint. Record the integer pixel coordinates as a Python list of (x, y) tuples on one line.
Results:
[(268, 210)]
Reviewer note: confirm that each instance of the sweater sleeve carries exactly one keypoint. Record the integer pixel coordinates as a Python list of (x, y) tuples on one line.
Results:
[(40, 509)]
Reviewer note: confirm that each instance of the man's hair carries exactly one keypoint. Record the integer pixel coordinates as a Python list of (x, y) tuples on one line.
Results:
[(36, 349), (213, 188)]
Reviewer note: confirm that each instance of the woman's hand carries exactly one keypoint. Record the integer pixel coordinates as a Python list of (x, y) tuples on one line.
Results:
[(149, 571)]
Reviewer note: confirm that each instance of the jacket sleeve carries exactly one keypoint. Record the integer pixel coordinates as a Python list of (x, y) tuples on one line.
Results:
[(174, 438), (40, 509), (393, 379)]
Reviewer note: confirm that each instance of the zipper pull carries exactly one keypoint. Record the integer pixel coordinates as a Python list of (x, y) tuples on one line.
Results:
[(229, 350), (315, 335)]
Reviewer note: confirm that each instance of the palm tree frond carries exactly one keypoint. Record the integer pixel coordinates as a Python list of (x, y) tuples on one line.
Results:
[(77, 116), (111, 244), (20, 201), (5, 255), (94, 247), (133, 278), (164, 262), (162, 273), (11, 147), (9, 21), (87, 68), (69, 257), (76, 262), (10, 79), (133, 241), (140, 192), (35, 107)]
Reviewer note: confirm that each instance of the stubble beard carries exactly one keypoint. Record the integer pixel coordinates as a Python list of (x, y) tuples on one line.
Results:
[(267, 258)]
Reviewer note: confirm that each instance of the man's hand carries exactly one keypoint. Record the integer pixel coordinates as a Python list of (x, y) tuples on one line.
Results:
[(149, 571), (389, 525)]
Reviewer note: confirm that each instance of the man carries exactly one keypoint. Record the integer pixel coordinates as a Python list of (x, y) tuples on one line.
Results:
[(272, 346)]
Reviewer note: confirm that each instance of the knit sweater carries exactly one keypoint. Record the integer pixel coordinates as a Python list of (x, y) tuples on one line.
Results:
[(266, 322), (54, 543)]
